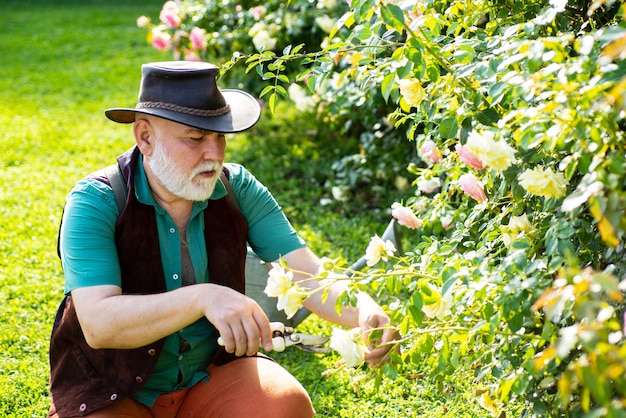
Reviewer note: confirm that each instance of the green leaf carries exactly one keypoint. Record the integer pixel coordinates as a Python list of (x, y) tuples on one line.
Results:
[(505, 388), (433, 73), (488, 311), (447, 285), (281, 90), (272, 102), (363, 9), (497, 92), (427, 345), (302, 75), (416, 314), (375, 335), (449, 127), (390, 370), (387, 85), (266, 90), (488, 117), (259, 71), (393, 16)]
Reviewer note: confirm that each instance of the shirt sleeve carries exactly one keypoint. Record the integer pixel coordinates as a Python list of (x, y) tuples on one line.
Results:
[(270, 234), (87, 236)]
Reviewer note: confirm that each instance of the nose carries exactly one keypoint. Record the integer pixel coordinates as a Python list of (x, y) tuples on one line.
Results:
[(214, 147)]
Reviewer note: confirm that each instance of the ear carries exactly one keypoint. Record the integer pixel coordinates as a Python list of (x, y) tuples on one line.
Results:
[(144, 135)]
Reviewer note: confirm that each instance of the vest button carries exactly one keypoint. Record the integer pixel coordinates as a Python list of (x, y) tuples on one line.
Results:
[(151, 352), (175, 277), (139, 379), (82, 407), (172, 230), (114, 396)]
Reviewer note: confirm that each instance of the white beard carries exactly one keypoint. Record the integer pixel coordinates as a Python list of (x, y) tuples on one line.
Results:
[(182, 184)]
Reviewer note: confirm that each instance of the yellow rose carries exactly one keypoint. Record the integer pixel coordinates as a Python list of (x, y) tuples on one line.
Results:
[(543, 182), (518, 227), (291, 301), (412, 91), (495, 154), (441, 308)]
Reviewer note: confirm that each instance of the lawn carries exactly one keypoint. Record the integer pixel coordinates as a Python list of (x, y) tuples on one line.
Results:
[(62, 64)]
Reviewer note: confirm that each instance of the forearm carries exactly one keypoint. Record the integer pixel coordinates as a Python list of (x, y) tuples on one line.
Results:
[(324, 294), (112, 320), (324, 303)]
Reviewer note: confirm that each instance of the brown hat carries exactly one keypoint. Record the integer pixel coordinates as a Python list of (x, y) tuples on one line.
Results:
[(186, 92)]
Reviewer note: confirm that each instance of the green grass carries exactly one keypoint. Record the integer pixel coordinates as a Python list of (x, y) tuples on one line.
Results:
[(62, 63)]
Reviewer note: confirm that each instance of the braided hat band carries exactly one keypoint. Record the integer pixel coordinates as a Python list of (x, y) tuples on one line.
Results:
[(186, 110)]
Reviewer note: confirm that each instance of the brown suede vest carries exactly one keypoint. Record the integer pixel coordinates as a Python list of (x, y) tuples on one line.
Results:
[(83, 379)]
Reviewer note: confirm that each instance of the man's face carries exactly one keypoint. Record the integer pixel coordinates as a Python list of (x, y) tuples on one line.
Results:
[(187, 161)]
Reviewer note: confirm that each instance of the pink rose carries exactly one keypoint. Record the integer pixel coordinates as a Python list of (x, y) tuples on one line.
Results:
[(258, 12), (473, 187), (172, 21), (468, 157), (198, 39), (143, 21), (161, 40), (169, 14), (405, 216), (430, 151)]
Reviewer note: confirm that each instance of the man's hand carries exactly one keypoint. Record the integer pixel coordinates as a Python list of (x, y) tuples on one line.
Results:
[(240, 321), (371, 318)]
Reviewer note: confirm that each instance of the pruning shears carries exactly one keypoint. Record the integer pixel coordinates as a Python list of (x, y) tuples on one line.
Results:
[(283, 337)]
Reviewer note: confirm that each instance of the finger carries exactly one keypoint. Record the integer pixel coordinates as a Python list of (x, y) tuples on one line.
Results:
[(253, 338), (241, 339), (265, 331), (380, 352), (377, 356), (226, 340)]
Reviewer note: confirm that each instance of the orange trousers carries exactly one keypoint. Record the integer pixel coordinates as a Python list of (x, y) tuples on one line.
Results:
[(249, 387)]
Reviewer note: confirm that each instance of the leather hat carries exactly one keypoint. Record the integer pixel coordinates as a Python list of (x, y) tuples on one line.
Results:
[(186, 92)]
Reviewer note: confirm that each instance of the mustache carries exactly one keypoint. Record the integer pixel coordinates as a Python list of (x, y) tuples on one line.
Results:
[(207, 166)]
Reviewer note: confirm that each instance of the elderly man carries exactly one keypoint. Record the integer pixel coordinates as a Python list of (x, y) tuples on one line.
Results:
[(151, 288)]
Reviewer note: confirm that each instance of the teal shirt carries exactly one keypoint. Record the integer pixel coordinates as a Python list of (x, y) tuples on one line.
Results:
[(89, 258)]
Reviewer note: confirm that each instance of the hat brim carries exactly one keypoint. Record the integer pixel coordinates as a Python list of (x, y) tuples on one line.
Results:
[(245, 112)]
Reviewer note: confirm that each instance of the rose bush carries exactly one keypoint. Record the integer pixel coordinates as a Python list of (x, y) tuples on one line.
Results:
[(517, 269)]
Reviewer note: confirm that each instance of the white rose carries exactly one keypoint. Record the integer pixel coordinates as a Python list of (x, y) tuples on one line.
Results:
[(379, 249), (278, 281), (430, 185), (344, 342), (326, 23), (263, 41)]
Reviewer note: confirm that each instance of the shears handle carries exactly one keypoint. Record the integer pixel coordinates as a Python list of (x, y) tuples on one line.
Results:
[(278, 337)]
